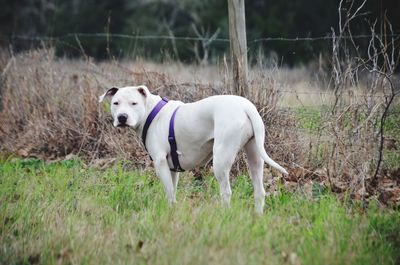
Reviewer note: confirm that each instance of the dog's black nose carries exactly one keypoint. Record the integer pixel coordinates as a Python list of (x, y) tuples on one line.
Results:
[(122, 118)]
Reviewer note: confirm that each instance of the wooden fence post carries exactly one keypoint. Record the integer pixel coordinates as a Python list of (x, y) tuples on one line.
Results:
[(238, 46)]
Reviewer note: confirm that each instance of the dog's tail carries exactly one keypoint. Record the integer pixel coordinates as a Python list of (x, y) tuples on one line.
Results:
[(259, 136)]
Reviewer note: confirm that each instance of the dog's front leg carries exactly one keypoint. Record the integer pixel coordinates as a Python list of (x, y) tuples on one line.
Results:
[(164, 174), (175, 180)]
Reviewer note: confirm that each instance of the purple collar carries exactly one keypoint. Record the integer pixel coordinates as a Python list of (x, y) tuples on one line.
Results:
[(151, 117)]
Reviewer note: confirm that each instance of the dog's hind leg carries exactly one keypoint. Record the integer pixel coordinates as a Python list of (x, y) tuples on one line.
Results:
[(256, 168), (224, 154)]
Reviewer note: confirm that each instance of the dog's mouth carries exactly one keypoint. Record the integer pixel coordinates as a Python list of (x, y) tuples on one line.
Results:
[(122, 125)]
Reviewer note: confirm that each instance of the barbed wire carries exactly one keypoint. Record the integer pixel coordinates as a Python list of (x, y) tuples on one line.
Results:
[(105, 35), (328, 37), (109, 35), (187, 38)]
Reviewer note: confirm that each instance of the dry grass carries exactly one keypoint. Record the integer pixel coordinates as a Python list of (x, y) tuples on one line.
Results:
[(55, 112), (49, 110)]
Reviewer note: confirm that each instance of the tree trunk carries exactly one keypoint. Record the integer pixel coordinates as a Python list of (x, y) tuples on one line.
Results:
[(238, 46)]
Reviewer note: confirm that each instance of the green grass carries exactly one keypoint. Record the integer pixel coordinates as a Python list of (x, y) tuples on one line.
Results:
[(65, 213), (311, 120)]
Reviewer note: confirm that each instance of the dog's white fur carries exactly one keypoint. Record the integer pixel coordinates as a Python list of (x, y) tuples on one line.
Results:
[(216, 127)]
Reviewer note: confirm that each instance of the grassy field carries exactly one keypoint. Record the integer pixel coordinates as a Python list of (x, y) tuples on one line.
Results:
[(92, 211), (68, 213)]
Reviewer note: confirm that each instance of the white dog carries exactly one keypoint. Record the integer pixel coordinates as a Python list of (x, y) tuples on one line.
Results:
[(216, 127)]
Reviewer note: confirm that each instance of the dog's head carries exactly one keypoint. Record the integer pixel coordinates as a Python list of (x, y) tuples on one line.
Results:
[(128, 105)]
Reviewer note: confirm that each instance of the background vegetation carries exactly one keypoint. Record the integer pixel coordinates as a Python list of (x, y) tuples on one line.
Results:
[(183, 18), (76, 190)]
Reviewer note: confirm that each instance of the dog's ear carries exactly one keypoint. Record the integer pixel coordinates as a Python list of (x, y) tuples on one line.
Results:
[(143, 90), (109, 93)]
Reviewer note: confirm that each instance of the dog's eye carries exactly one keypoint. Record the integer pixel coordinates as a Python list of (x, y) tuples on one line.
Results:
[(115, 103), (133, 103)]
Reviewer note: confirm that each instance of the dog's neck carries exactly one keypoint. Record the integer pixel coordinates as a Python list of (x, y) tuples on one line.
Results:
[(151, 102)]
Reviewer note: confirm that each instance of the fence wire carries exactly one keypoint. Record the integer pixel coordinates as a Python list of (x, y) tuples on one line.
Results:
[(188, 38)]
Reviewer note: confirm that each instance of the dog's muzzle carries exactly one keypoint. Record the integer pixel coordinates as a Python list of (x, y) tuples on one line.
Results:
[(122, 119)]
